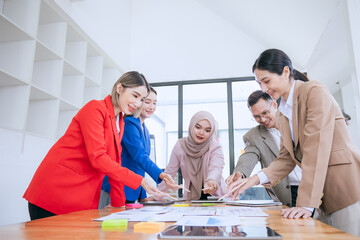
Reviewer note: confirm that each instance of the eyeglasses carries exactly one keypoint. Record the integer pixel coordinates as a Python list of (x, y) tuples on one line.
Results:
[(264, 114)]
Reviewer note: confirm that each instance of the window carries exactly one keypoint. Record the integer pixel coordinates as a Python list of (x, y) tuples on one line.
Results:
[(210, 97), (226, 99), (164, 123)]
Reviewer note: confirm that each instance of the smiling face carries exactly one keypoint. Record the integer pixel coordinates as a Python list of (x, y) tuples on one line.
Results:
[(274, 84), (131, 99), (201, 132), (264, 113), (149, 106)]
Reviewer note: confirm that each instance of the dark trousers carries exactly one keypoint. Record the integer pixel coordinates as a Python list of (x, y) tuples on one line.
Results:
[(294, 190), (38, 212)]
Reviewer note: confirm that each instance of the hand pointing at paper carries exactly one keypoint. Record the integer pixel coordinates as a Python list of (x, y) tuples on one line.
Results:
[(210, 187), (246, 184)]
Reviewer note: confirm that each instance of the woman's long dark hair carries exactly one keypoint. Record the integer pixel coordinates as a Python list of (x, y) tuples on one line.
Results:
[(274, 60)]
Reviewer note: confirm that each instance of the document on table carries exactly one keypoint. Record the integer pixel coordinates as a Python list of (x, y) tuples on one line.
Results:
[(166, 217), (241, 212), (169, 214), (208, 221)]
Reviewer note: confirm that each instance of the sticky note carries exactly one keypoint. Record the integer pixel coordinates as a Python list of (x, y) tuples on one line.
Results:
[(134, 205), (149, 227), (181, 205), (115, 225), (208, 204)]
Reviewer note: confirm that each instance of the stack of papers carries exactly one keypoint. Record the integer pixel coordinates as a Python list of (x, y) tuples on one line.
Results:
[(253, 203)]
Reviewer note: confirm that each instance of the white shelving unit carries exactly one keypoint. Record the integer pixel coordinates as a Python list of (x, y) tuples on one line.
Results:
[(49, 68)]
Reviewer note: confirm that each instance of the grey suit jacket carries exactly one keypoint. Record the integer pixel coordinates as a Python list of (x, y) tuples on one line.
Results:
[(260, 146)]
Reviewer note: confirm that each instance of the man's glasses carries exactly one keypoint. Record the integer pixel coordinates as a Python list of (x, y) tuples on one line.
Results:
[(264, 114)]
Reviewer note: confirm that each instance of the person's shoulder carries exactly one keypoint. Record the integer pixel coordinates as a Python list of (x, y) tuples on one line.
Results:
[(253, 132), (131, 119), (93, 105), (306, 86), (312, 88), (178, 149)]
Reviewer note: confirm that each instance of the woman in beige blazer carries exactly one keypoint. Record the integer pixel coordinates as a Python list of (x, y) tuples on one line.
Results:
[(315, 137)]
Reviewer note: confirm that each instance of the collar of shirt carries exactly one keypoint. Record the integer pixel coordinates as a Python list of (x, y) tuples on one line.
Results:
[(275, 134), (286, 107), (117, 118)]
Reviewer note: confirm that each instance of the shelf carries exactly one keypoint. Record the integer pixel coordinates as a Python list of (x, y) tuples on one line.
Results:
[(104, 93), (109, 78), (13, 32), (70, 69), (49, 68), (75, 53), (94, 67), (23, 13), (73, 89), (9, 80), (67, 106), (40, 94), (43, 117), (47, 75), (48, 14), (91, 93), (89, 82), (53, 35), (43, 53), (15, 101), (65, 117), (17, 58)]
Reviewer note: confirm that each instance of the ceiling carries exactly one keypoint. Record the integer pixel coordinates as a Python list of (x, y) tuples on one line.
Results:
[(294, 26)]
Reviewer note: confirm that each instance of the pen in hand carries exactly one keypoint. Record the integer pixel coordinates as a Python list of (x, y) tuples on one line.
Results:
[(173, 183), (233, 190)]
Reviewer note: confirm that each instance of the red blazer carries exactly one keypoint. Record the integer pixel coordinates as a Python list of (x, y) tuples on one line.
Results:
[(70, 176)]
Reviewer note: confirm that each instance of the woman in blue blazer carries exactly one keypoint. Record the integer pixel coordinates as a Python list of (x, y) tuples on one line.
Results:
[(135, 154), (136, 149)]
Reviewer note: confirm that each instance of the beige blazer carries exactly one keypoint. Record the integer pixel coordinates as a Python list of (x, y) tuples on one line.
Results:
[(261, 147), (323, 149)]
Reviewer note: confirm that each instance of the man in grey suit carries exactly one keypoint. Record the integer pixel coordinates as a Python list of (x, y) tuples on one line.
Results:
[(262, 143)]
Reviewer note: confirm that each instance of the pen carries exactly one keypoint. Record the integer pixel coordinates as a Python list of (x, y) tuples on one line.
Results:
[(178, 185), (234, 189), (231, 178), (167, 195)]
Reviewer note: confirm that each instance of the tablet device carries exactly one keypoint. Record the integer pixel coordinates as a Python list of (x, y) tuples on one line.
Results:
[(219, 232), (158, 203)]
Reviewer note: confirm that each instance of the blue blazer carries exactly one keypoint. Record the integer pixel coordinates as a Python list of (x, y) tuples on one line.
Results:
[(135, 155)]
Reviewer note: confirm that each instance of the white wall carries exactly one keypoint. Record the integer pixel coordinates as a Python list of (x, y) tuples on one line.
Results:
[(353, 8), (332, 62), (183, 40), (18, 151)]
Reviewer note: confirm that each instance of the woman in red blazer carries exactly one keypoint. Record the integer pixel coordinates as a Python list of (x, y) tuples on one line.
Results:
[(70, 176)]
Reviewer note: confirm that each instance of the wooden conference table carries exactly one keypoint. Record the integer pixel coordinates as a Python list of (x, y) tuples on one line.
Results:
[(80, 225)]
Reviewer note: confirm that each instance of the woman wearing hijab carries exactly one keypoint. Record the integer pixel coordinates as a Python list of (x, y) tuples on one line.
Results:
[(200, 158)]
